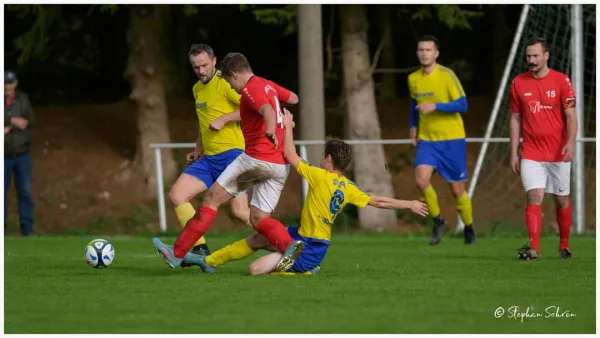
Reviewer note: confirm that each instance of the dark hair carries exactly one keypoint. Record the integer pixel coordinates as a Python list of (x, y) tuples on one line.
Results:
[(429, 38), (234, 62), (199, 48), (340, 151), (537, 39)]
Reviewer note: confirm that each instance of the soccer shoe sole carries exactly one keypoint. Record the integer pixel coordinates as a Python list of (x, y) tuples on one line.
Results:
[(166, 252), (290, 256)]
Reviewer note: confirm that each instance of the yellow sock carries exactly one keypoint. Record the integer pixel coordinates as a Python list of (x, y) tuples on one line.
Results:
[(184, 213), (232, 252), (463, 205), (431, 200)]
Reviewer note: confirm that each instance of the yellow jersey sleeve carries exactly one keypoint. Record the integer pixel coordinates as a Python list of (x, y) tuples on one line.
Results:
[(411, 88), (356, 196), (455, 88), (230, 94), (310, 173)]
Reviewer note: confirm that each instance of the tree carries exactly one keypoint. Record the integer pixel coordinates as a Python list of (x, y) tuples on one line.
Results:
[(144, 69), (388, 80), (310, 69), (369, 170), (145, 73), (306, 20)]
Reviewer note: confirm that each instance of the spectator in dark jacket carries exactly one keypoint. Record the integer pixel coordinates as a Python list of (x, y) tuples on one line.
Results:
[(18, 119)]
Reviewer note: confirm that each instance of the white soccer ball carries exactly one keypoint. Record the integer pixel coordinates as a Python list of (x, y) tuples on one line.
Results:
[(99, 253)]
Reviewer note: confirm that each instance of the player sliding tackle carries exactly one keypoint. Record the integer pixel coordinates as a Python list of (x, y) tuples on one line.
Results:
[(329, 191), (543, 106), (262, 126)]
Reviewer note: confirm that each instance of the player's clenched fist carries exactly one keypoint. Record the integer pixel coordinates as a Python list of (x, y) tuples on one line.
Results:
[(288, 119), (418, 208), (194, 155)]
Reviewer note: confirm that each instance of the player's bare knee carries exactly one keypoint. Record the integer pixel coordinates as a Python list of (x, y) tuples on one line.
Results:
[(422, 183), (562, 201), (458, 189), (535, 196), (176, 197), (256, 216), (255, 269)]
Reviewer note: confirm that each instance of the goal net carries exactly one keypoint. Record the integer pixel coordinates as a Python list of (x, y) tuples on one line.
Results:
[(498, 196)]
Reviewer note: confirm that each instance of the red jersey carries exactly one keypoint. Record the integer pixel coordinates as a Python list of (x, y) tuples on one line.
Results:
[(256, 93), (541, 103)]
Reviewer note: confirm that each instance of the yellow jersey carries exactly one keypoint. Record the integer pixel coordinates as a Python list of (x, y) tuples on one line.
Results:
[(439, 86), (328, 193), (213, 100)]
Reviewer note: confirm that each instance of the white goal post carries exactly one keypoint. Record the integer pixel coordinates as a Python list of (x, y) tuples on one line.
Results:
[(571, 24)]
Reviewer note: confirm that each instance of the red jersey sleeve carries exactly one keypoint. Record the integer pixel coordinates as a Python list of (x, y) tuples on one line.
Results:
[(284, 94), (567, 96), (515, 103), (256, 95)]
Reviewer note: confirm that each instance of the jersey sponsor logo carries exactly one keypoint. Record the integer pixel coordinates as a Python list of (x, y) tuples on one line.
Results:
[(537, 106), (569, 102), (527, 94), (201, 105), (426, 94)]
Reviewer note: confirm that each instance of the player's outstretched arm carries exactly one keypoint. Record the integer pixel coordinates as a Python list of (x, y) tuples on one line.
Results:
[(289, 148), (382, 202)]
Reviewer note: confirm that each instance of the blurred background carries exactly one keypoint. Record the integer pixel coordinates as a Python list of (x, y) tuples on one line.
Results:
[(90, 69)]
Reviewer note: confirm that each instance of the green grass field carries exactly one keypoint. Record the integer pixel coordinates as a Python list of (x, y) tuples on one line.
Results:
[(368, 284)]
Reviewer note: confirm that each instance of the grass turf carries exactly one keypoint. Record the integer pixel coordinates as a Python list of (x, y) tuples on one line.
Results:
[(368, 284)]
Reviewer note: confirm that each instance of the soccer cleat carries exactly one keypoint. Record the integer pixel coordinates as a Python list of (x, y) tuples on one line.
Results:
[(167, 253), (439, 226), (201, 250), (469, 235), (526, 253), (289, 256), (200, 260), (565, 253)]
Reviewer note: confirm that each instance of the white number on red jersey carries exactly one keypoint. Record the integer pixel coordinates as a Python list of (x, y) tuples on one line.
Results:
[(278, 111), (551, 93)]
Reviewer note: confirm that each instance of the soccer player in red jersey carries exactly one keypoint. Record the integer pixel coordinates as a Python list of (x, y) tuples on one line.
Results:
[(543, 106), (262, 162)]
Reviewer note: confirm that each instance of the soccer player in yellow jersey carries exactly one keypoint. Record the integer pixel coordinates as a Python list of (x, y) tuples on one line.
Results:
[(437, 131), (220, 140), (329, 191)]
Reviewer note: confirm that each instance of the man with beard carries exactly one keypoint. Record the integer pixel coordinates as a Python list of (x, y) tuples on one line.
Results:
[(543, 106), (220, 140)]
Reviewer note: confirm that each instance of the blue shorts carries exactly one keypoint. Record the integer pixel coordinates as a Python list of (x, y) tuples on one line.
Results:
[(313, 254), (209, 167), (448, 158)]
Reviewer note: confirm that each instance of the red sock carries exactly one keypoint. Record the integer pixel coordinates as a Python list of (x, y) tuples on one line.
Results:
[(564, 217), (533, 218), (194, 229), (276, 233)]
